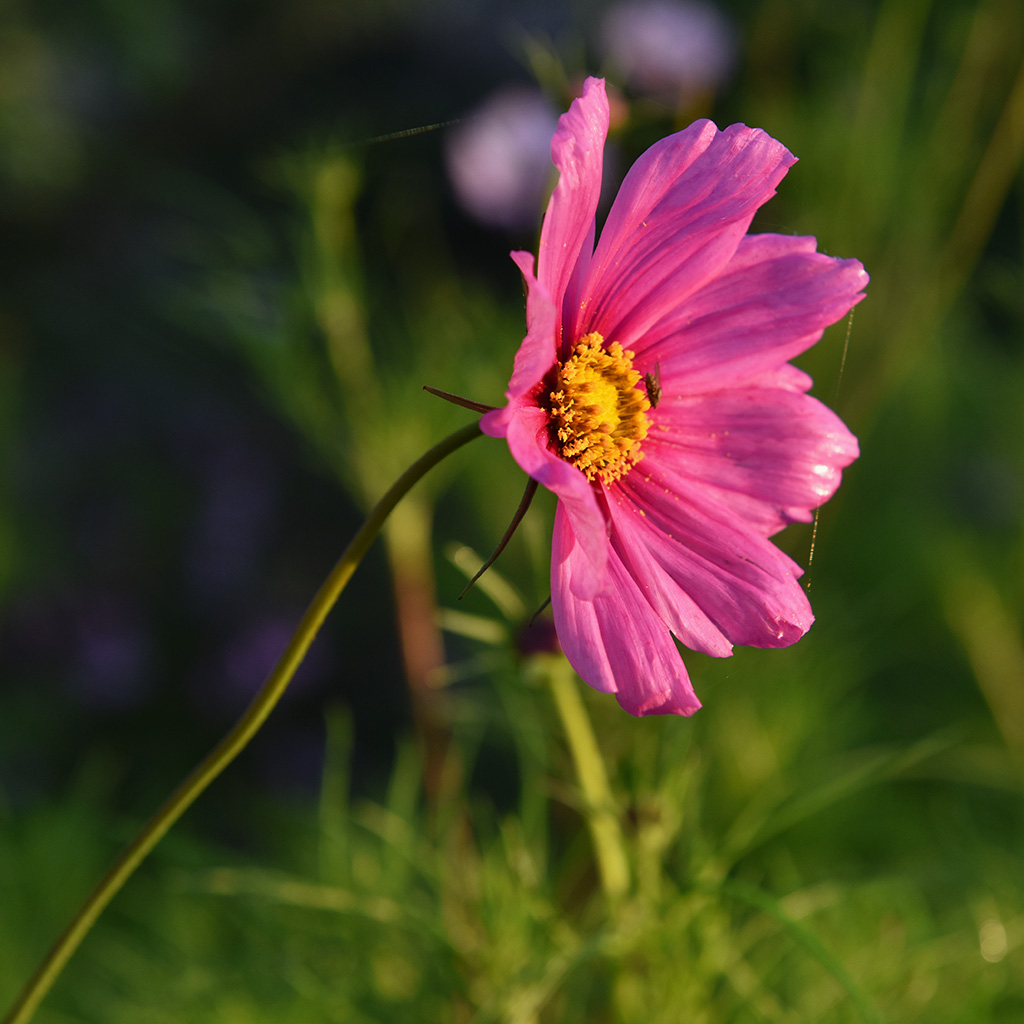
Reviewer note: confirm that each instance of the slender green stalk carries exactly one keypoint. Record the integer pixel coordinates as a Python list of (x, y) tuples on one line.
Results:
[(236, 739), (605, 829)]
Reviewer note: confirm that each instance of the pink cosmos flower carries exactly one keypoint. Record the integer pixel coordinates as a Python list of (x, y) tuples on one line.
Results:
[(653, 396)]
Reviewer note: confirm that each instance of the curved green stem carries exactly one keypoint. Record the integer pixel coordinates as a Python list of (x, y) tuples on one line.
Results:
[(233, 743), (599, 804)]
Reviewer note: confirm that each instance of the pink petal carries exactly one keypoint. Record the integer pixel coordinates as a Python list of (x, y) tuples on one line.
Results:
[(677, 220), (615, 641), (527, 438), (574, 290), (577, 150), (768, 454), (772, 301), (741, 582), (525, 426), (675, 608), (787, 377), (536, 354)]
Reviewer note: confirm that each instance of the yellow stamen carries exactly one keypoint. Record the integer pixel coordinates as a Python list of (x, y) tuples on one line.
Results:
[(598, 414)]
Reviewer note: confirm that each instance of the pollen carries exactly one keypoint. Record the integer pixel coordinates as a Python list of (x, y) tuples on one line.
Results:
[(598, 414)]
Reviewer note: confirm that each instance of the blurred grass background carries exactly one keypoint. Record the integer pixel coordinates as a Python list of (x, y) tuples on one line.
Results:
[(219, 300)]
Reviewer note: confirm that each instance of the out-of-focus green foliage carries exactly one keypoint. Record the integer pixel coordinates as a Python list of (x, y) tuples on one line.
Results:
[(837, 836)]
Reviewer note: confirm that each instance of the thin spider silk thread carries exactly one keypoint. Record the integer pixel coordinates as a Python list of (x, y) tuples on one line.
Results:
[(835, 403)]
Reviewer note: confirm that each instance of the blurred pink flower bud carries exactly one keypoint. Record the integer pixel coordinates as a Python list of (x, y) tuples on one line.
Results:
[(499, 158), (671, 49)]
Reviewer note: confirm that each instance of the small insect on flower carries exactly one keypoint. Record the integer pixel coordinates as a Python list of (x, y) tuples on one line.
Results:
[(665, 508), (652, 385)]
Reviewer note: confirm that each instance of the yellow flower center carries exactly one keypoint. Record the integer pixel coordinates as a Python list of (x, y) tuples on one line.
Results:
[(598, 414)]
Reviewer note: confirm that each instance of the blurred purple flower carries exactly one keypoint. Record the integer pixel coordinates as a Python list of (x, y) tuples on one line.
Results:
[(230, 678), (238, 509), (499, 158), (111, 652), (669, 49)]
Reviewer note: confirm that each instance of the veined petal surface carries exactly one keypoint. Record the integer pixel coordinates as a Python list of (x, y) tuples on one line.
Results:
[(577, 150), (771, 301), (679, 217), (615, 641), (768, 454)]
